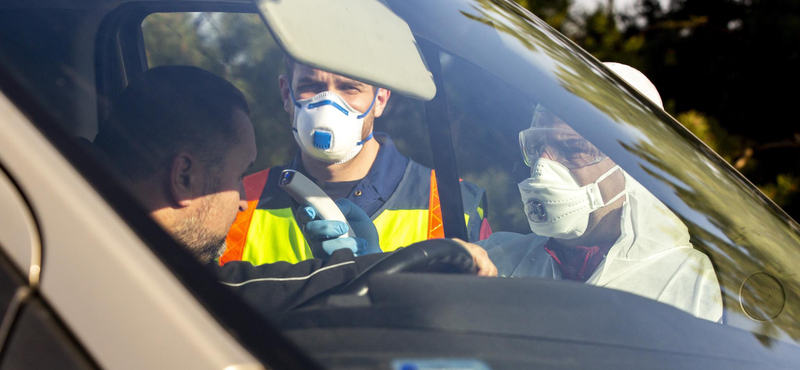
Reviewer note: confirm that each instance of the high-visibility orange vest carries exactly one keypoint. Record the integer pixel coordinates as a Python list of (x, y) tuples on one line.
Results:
[(267, 231)]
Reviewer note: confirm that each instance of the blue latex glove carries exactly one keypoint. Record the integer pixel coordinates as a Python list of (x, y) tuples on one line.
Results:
[(328, 231)]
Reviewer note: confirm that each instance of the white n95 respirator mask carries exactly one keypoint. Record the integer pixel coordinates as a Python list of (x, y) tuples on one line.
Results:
[(328, 128), (556, 205)]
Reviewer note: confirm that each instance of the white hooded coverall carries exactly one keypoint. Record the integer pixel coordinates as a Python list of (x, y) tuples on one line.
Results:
[(652, 258)]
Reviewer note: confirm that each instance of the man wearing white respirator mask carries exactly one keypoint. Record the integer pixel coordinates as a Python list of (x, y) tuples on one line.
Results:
[(332, 119), (594, 223)]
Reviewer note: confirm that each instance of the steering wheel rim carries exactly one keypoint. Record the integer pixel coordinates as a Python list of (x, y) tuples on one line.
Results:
[(415, 257)]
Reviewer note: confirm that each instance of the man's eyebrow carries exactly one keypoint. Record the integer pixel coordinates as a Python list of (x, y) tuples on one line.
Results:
[(306, 79)]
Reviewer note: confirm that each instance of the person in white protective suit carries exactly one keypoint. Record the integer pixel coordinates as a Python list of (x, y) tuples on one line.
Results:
[(592, 222)]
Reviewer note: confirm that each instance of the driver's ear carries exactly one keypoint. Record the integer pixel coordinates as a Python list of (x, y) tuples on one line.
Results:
[(380, 101), (283, 84), (183, 179)]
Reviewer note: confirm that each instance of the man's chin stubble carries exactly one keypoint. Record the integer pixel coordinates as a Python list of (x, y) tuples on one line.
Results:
[(198, 240), (209, 252)]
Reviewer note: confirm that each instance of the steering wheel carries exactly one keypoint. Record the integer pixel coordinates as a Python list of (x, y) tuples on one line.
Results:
[(434, 255)]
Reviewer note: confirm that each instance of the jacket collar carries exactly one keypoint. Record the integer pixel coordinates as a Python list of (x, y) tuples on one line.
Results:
[(383, 177)]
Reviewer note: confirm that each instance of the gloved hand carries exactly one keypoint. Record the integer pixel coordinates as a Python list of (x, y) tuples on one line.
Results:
[(328, 231)]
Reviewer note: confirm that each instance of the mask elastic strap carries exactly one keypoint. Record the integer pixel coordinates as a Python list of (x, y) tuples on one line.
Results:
[(291, 93), (614, 199), (368, 138), (370, 105), (607, 174), (603, 177)]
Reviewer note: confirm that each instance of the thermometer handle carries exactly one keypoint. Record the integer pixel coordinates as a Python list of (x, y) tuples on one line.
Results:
[(305, 191)]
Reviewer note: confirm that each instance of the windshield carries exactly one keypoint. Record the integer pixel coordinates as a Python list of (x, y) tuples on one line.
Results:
[(566, 171), (500, 67), (585, 114)]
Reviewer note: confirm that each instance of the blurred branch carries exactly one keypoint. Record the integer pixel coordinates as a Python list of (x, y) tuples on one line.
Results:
[(692, 22), (748, 152), (742, 161)]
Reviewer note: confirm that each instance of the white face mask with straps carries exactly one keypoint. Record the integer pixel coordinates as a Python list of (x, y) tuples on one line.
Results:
[(328, 128), (556, 205)]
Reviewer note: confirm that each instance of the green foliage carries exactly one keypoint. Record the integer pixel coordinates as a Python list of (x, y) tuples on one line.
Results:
[(554, 12), (709, 131), (785, 187), (698, 124)]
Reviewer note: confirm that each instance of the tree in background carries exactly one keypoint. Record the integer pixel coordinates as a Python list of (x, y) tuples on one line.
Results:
[(726, 69)]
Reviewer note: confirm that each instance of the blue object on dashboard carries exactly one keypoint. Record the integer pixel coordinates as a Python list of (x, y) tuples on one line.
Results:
[(439, 364)]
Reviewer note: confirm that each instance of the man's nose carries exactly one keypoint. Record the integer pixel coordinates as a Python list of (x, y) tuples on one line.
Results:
[(545, 153)]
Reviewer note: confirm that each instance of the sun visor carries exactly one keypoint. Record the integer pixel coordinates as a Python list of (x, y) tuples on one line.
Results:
[(360, 39)]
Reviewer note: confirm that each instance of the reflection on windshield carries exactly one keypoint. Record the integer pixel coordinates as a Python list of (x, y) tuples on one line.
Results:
[(503, 63)]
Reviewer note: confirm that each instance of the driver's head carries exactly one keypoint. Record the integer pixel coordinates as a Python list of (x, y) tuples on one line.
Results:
[(575, 191), (332, 115), (180, 138)]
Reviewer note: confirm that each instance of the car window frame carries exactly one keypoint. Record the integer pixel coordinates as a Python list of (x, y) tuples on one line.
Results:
[(26, 295)]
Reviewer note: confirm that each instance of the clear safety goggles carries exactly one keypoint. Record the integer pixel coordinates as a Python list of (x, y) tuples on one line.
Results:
[(560, 145)]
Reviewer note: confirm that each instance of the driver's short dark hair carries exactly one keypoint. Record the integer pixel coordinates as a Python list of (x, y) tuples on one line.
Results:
[(165, 110)]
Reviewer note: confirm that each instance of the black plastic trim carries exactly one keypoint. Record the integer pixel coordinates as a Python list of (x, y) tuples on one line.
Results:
[(438, 120), (26, 294), (34, 297)]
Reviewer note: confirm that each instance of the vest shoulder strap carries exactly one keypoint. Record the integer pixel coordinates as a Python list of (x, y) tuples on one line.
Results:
[(435, 225)]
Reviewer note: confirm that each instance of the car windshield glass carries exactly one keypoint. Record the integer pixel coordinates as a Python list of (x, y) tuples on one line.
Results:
[(541, 125), (593, 204)]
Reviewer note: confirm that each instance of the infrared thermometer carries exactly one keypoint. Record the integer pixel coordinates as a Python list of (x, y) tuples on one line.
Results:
[(305, 191)]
